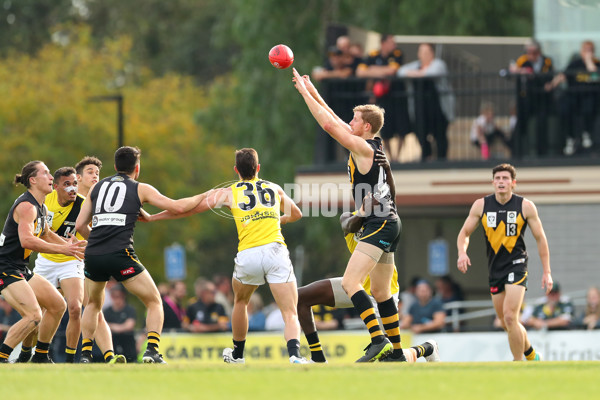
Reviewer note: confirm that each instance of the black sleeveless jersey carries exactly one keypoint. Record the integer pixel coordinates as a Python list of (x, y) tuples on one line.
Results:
[(504, 229), (11, 251), (115, 209), (374, 181)]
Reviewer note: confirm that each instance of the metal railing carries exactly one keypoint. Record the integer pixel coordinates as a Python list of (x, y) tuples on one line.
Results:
[(536, 120)]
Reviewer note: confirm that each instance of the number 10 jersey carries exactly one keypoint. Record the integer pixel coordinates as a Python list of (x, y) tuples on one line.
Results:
[(504, 229), (256, 208), (115, 209)]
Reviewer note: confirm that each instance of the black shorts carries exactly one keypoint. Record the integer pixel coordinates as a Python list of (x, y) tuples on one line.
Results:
[(10, 274), (512, 278), (121, 265), (384, 234)]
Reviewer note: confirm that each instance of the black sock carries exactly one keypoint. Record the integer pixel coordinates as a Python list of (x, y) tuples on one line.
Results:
[(153, 341), (365, 309), (238, 348), (388, 310), (86, 347), (316, 351), (424, 350), (41, 349), (5, 351), (293, 346), (108, 355), (70, 354)]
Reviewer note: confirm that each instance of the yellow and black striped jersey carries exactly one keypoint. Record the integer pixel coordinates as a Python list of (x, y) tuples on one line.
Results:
[(62, 221), (504, 229), (256, 209)]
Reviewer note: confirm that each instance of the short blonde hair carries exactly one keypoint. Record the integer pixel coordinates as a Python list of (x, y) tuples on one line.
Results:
[(371, 114)]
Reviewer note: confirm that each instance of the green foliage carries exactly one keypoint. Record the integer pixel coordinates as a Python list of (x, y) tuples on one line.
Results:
[(46, 114)]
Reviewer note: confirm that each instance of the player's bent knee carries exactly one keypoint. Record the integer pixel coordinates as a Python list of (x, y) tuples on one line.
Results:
[(74, 308)]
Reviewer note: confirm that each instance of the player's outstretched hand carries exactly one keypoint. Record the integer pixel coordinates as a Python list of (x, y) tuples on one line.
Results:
[(299, 82), (463, 263), (547, 282), (75, 248), (382, 160)]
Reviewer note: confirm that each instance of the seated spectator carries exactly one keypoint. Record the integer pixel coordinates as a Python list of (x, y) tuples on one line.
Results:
[(448, 291), (205, 315), (591, 316), (407, 296), (173, 306), (484, 131), (256, 316), (335, 67), (121, 319), (555, 313), (224, 295), (274, 320), (427, 313), (328, 318)]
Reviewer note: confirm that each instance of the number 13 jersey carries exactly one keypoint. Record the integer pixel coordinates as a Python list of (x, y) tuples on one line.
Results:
[(504, 229), (256, 208), (115, 209)]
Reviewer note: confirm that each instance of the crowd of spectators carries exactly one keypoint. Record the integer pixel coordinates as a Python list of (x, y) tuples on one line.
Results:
[(419, 99)]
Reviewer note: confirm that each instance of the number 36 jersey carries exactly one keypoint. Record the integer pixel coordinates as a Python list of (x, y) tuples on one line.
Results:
[(256, 208), (115, 209), (504, 229)]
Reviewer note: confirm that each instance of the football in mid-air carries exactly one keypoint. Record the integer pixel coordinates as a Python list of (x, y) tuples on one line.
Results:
[(281, 56)]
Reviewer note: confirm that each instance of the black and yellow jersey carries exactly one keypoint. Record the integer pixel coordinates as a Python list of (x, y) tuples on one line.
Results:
[(374, 181), (11, 252), (504, 229), (394, 59), (256, 208), (62, 221), (115, 207)]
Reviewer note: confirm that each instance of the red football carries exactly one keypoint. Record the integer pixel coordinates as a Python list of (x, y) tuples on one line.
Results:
[(281, 56)]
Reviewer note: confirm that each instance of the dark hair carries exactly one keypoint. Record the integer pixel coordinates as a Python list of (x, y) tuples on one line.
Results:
[(385, 37), (64, 171), (505, 167), (126, 158), (246, 162), (85, 161), (28, 171)]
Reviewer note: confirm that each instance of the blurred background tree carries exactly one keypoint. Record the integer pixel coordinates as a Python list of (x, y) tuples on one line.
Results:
[(197, 84)]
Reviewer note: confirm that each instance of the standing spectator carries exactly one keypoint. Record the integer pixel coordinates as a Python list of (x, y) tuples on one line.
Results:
[(484, 130), (121, 318), (591, 316), (335, 67), (581, 99), (351, 57), (427, 313), (555, 313), (432, 103), (382, 65), (173, 306), (205, 315), (533, 102)]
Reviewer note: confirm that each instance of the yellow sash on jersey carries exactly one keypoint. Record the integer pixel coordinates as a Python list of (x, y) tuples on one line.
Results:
[(352, 241), (256, 210), (56, 217)]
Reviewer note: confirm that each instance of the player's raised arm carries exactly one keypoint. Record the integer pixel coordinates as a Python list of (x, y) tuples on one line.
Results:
[(209, 200), (148, 194), (337, 129), (535, 224), (464, 235), (315, 94)]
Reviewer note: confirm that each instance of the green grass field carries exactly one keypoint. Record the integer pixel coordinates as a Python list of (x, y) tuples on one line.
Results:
[(509, 381)]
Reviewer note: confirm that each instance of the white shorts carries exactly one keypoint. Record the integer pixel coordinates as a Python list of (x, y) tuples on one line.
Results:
[(342, 300), (270, 262), (55, 272)]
